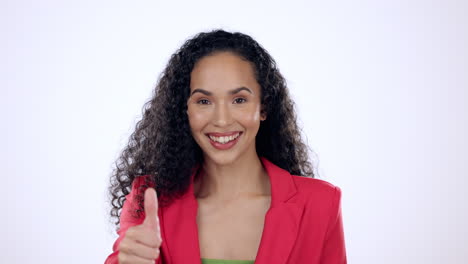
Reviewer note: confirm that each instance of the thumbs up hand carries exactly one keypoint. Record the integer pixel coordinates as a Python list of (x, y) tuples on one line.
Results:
[(141, 243)]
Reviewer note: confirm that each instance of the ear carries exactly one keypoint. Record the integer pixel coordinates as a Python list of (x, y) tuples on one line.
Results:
[(263, 114)]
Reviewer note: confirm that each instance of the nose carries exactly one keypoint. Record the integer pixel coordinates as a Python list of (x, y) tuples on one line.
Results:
[(222, 116)]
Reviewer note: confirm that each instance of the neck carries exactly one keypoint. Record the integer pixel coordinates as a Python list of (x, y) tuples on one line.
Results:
[(246, 177)]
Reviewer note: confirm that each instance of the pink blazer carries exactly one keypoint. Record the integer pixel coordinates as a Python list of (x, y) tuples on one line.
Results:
[(303, 224)]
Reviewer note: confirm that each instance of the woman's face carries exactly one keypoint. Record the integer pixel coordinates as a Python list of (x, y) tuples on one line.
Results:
[(224, 107)]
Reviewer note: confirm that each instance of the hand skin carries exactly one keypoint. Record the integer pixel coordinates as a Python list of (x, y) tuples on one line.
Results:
[(141, 243)]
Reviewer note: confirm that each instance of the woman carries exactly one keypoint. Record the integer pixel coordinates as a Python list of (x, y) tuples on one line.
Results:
[(220, 144)]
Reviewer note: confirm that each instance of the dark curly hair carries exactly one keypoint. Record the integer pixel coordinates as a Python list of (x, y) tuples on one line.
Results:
[(162, 145)]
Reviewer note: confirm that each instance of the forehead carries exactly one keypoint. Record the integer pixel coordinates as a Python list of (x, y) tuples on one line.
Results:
[(223, 70)]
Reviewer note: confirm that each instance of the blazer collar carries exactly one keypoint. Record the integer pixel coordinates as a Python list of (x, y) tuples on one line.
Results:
[(180, 231)]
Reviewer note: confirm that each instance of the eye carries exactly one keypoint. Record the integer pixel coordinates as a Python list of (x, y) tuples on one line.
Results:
[(240, 100), (203, 101)]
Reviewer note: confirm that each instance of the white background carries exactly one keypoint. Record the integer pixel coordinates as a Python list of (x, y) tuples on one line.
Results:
[(381, 89)]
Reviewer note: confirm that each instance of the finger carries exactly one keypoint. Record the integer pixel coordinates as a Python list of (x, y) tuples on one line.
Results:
[(132, 259), (141, 234), (151, 209), (140, 250)]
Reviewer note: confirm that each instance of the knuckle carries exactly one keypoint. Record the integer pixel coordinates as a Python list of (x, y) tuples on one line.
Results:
[(155, 254), (126, 246), (128, 234), (123, 246), (122, 258), (131, 231), (158, 243)]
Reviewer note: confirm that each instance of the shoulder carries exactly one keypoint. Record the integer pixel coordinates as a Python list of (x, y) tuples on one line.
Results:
[(321, 200), (131, 206), (139, 185), (315, 186), (139, 182), (317, 192), (305, 188)]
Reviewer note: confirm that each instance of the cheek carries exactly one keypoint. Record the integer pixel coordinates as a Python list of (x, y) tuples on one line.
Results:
[(197, 120), (249, 118)]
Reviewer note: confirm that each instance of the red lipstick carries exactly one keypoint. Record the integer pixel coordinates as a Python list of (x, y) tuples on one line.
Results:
[(226, 145)]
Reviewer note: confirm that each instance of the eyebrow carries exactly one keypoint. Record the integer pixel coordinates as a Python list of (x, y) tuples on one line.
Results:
[(233, 91)]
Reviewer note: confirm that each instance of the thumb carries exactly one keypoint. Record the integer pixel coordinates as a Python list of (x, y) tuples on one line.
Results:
[(151, 209)]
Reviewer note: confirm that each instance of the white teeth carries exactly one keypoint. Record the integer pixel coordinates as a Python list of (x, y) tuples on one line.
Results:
[(224, 140)]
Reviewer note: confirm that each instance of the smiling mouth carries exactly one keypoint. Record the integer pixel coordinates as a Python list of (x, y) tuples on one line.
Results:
[(224, 139)]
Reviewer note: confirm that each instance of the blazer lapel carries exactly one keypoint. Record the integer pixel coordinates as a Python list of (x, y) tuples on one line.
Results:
[(282, 219), (180, 231)]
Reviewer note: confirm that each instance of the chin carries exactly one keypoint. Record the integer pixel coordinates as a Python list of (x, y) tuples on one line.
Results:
[(223, 159)]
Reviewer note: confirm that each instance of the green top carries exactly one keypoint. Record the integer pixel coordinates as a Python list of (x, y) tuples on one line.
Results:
[(226, 261)]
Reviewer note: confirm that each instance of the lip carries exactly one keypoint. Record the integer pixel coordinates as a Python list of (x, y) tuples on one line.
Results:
[(227, 134), (226, 146)]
